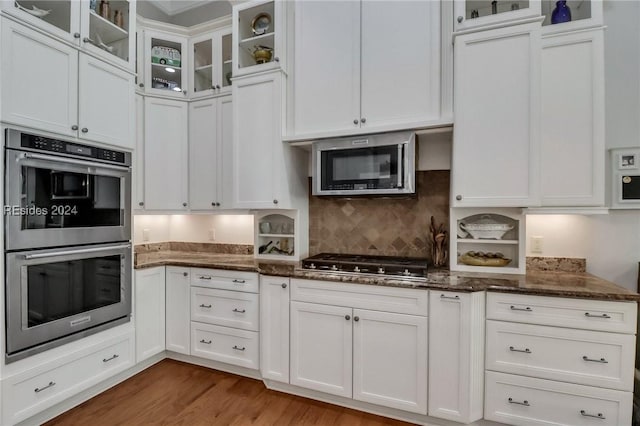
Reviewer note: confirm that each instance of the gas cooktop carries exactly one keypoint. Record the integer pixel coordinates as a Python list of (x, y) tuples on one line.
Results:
[(401, 267)]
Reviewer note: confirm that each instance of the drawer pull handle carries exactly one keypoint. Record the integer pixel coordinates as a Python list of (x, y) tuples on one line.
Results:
[(597, 416), (525, 350), (601, 360), (587, 314), (239, 281), (525, 402), (109, 359), (205, 277), (206, 342), (239, 349), (50, 385), (527, 309), (202, 305), (442, 296), (240, 311)]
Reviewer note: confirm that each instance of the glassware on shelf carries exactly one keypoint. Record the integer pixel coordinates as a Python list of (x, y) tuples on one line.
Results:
[(118, 18), (105, 10), (93, 4), (562, 13)]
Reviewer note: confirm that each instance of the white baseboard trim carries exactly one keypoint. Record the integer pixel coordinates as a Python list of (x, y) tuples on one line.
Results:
[(215, 365)]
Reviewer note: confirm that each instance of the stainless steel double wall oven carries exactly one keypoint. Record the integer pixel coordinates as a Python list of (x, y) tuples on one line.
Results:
[(67, 213)]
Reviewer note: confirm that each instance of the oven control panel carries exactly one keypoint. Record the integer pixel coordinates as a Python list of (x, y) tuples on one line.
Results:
[(41, 143)]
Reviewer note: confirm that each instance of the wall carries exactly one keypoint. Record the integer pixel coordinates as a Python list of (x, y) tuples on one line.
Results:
[(228, 229), (379, 226)]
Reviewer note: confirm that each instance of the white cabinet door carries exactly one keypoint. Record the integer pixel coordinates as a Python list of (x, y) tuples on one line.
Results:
[(225, 143), (496, 101), (106, 103), (138, 156), (178, 315), (204, 155), (39, 81), (400, 80), (166, 64), (390, 360), (149, 312), (321, 348), (572, 123), (274, 328), (257, 157), (165, 154), (456, 355), (327, 67)]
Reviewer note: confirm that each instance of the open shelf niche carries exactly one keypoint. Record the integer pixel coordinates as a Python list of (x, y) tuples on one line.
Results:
[(276, 235)]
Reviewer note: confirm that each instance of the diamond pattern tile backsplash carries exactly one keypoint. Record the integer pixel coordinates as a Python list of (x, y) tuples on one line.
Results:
[(380, 226)]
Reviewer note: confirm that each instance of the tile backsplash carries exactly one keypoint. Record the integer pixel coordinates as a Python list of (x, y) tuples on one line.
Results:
[(380, 226)]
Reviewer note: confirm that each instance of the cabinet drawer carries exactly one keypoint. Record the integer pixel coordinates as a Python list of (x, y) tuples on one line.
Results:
[(389, 299), (27, 394), (225, 280), (230, 345), (619, 317), (578, 356), (223, 307), (549, 402)]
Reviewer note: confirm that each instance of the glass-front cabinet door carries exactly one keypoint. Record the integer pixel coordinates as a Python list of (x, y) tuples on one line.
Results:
[(470, 14), (60, 18), (166, 56), (211, 63), (108, 30)]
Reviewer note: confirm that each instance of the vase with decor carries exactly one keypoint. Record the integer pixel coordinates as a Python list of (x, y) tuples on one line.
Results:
[(562, 13)]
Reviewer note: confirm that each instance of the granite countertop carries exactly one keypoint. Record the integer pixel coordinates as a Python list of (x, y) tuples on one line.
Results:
[(542, 283)]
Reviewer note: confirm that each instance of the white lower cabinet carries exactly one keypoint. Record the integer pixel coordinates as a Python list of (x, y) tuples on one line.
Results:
[(456, 355), (178, 312), (149, 312), (225, 344), (368, 355), (224, 307), (274, 328), (40, 387)]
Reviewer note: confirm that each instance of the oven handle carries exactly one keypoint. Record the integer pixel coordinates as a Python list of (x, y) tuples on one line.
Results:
[(79, 251), (66, 160)]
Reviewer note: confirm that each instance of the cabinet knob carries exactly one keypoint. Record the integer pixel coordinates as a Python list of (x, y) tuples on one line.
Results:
[(218, 86), (186, 274), (74, 127), (460, 19), (363, 120), (213, 204), (347, 317), (458, 197), (217, 204), (141, 203), (275, 201), (184, 204), (284, 285), (356, 319), (213, 87), (76, 35), (355, 121), (84, 130), (141, 84), (184, 92)]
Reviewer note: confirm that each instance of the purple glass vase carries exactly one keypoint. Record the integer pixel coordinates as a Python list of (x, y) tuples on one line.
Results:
[(561, 13)]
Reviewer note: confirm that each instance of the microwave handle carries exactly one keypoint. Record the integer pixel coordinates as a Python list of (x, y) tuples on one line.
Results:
[(71, 161), (401, 165), (79, 251)]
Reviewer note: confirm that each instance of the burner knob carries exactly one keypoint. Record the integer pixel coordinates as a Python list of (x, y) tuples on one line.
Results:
[(312, 266), (334, 268), (381, 270), (356, 269), (406, 272)]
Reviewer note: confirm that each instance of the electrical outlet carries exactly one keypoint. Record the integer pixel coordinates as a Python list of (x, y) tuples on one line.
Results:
[(212, 234), (145, 234), (536, 244)]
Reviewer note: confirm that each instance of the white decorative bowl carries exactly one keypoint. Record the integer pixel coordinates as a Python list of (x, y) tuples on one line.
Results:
[(485, 230)]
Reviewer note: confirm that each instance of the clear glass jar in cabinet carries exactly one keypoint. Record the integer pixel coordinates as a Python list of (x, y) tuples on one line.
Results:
[(211, 63), (258, 30), (166, 57), (470, 14), (108, 30), (58, 18)]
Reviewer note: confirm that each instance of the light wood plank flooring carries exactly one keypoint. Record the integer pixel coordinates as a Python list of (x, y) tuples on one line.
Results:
[(176, 393)]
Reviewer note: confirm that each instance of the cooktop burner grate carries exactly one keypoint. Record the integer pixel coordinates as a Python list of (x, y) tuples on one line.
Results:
[(364, 264)]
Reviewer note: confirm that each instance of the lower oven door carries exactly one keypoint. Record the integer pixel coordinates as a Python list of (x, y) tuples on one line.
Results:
[(57, 295)]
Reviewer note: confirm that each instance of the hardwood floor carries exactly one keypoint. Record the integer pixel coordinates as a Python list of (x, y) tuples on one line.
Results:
[(176, 393)]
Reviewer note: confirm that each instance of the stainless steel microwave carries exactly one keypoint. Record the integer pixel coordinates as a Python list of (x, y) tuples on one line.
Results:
[(382, 164), (625, 167)]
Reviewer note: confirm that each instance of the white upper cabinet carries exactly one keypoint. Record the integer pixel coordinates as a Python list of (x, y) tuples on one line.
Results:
[(259, 36), (377, 69), (210, 70), (496, 138), (572, 122), (62, 20), (166, 56), (479, 14)]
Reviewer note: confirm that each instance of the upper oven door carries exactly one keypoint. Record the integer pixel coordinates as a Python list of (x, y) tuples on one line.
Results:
[(56, 201), (57, 292)]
